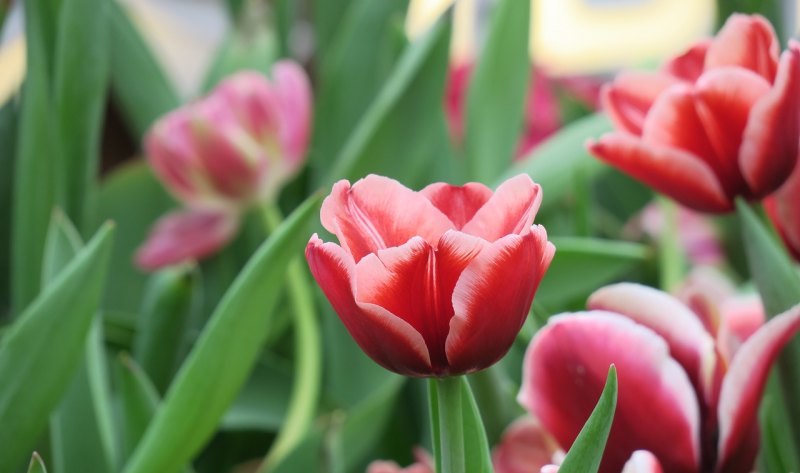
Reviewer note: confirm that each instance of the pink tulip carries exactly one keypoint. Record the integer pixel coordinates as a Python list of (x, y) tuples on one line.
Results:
[(783, 209), (423, 464), (715, 123), (436, 282), (224, 153), (525, 447), (679, 399)]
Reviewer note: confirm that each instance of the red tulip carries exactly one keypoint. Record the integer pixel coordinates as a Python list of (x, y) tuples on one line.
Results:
[(783, 209), (691, 407), (230, 150), (436, 282), (717, 122)]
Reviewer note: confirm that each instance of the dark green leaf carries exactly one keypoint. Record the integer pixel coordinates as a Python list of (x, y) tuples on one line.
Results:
[(218, 365), (36, 465), (586, 452), (497, 91), (8, 132), (42, 350)]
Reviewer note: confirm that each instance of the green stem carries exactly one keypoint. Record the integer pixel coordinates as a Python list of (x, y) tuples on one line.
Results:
[(670, 254), (451, 425), (435, 430), (308, 358)]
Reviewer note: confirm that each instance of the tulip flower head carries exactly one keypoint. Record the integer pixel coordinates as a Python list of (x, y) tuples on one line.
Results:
[(783, 208), (717, 122), (436, 282), (689, 404), (223, 154)]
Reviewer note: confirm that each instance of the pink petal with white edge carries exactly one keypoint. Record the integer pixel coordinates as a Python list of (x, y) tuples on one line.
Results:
[(510, 210), (377, 212), (459, 203), (746, 41), (564, 373), (628, 99), (549, 469), (689, 342), (185, 236), (387, 339), (676, 173), (742, 389), (770, 146), (525, 447), (642, 461), (493, 297)]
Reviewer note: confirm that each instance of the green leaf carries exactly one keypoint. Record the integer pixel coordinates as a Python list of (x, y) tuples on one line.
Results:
[(161, 326), (409, 105), (555, 163), (262, 403), (137, 81), (497, 90), (42, 350), (218, 365), (8, 132), (581, 265), (586, 452), (777, 450), (36, 465), (80, 94), (137, 402)]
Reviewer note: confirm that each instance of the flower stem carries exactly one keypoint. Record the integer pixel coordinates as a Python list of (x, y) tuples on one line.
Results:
[(451, 425), (308, 357)]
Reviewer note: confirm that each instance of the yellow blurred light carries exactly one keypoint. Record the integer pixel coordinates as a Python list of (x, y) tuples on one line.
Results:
[(12, 63)]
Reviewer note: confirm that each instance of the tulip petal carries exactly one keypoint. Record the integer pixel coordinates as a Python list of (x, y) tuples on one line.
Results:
[(186, 236), (294, 91), (564, 373), (492, 298), (510, 209), (689, 65), (642, 461), (747, 41), (250, 95), (782, 210), (386, 338), (629, 97), (678, 174), (770, 146), (742, 389), (689, 342), (377, 213), (170, 152), (415, 282), (525, 447), (459, 203)]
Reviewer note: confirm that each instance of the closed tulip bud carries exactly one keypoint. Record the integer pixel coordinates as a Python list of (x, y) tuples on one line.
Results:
[(783, 208)]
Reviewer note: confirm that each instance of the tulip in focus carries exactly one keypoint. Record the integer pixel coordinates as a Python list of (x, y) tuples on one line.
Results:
[(717, 122), (220, 155), (436, 282), (682, 399), (783, 208)]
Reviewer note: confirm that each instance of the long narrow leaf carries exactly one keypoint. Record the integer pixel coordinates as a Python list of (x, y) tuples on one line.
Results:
[(219, 363), (36, 465)]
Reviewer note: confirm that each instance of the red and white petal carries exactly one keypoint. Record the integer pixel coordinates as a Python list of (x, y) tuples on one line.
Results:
[(743, 386), (185, 236), (770, 146), (747, 41), (564, 373), (689, 342), (510, 209), (459, 203), (678, 174), (783, 211), (492, 298), (386, 338), (628, 99), (642, 461), (689, 65), (377, 213), (525, 447)]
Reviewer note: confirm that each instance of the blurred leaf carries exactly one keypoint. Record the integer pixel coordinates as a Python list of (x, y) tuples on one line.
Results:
[(355, 437), (353, 65), (777, 450), (262, 402), (162, 323), (409, 105), (134, 200), (81, 428), (42, 350), (328, 17), (581, 265), (36, 465), (556, 161), (137, 402), (587, 450), (495, 105), (137, 81), (8, 132), (34, 180), (306, 457), (218, 364), (80, 94)]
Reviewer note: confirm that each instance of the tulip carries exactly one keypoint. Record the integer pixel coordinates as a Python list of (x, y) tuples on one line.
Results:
[(782, 208), (717, 122), (423, 464), (525, 447), (436, 282), (220, 155), (692, 407)]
